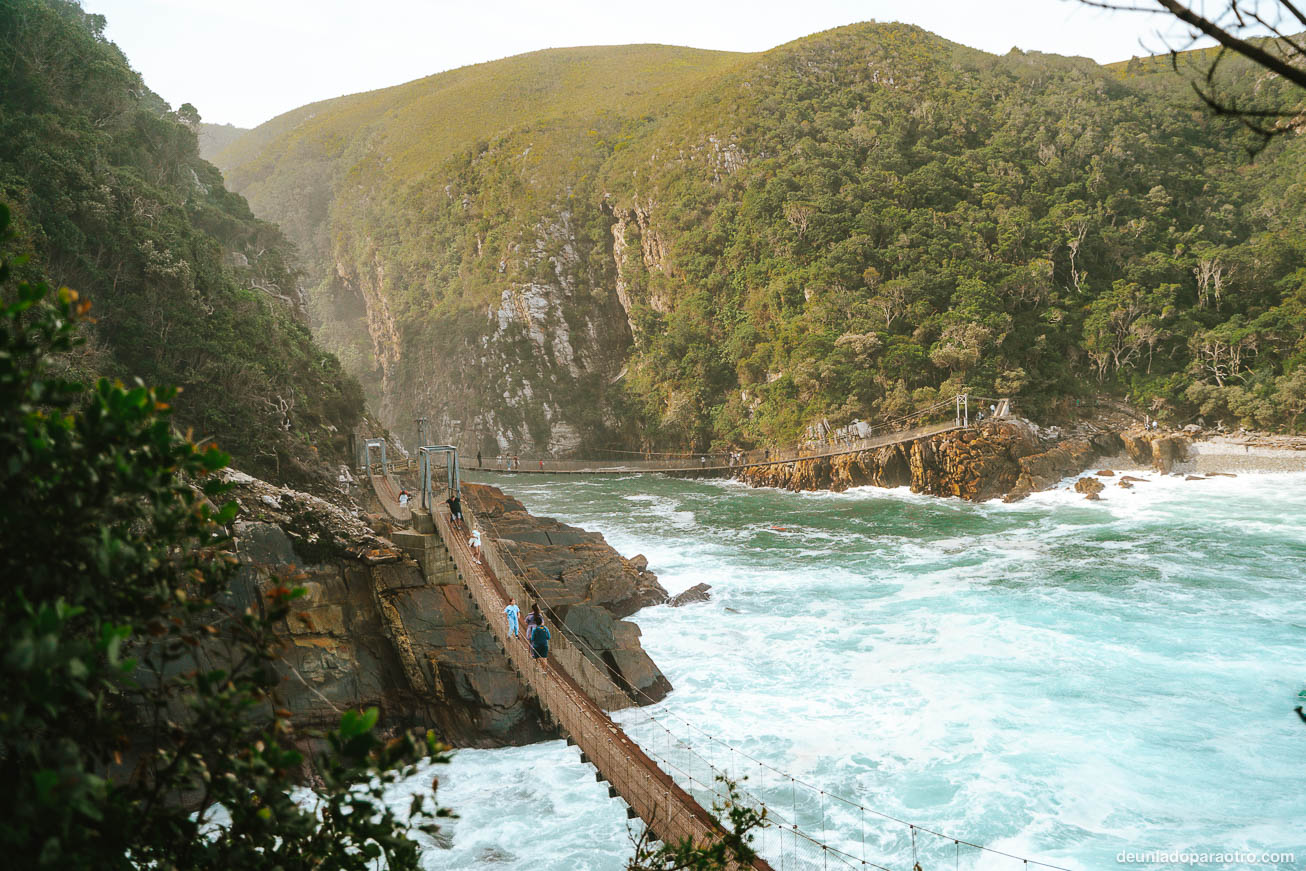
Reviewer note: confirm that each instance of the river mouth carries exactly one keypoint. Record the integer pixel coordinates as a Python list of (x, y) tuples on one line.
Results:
[(1057, 679)]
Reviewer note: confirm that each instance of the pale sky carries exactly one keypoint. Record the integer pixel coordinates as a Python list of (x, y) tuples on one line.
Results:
[(246, 61)]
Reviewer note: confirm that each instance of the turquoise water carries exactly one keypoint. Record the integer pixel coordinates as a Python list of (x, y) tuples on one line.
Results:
[(1057, 679)]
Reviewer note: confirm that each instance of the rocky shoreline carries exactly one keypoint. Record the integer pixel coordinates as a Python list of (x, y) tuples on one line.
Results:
[(1007, 459), (375, 628)]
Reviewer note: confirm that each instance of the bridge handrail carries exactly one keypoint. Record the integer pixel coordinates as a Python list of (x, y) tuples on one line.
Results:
[(384, 488), (390, 466), (670, 812)]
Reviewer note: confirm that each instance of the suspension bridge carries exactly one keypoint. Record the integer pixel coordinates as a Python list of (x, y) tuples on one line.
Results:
[(666, 770), (941, 417)]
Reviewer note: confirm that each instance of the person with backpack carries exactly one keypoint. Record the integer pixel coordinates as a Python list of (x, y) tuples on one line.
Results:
[(540, 642)]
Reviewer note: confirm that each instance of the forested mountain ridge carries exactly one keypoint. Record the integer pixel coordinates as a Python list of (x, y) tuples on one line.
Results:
[(667, 247), (215, 137), (111, 198)]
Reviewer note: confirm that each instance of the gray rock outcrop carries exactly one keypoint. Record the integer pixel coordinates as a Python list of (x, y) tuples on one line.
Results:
[(375, 628), (696, 593)]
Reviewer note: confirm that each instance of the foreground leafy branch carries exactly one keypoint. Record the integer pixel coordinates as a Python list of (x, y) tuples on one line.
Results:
[(140, 726), (731, 850)]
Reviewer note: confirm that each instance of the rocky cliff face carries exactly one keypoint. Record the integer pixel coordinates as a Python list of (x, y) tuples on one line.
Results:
[(524, 370), (1004, 459), (377, 628)]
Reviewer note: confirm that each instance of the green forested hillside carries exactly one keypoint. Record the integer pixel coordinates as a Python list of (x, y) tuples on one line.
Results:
[(661, 246), (110, 197)]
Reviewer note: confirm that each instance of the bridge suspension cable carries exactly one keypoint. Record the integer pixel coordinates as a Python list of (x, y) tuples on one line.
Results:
[(815, 799)]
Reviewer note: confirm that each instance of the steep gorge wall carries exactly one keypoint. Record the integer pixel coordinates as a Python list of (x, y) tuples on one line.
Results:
[(643, 245), (457, 239)]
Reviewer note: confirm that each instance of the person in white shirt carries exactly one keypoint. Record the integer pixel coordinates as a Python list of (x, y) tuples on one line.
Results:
[(403, 498), (475, 542)]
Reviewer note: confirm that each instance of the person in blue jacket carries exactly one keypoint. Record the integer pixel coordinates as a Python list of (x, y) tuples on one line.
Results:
[(512, 611), (540, 642)]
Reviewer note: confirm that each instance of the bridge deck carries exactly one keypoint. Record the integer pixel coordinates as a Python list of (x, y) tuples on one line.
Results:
[(670, 812), (387, 493)]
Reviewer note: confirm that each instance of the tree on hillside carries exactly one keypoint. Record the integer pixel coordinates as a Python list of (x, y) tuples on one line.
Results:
[(140, 728), (109, 195), (1235, 26)]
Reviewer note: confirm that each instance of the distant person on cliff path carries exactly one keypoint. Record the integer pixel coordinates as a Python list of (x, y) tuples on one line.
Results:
[(478, 459), (475, 542), (540, 642), (512, 611)]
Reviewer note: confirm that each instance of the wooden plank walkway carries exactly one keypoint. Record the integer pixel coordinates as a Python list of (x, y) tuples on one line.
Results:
[(387, 493)]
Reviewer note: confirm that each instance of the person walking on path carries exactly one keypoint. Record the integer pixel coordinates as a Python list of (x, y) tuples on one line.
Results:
[(455, 508), (512, 611), (475, 542), (478, 459), (540, 642), (533, 619)]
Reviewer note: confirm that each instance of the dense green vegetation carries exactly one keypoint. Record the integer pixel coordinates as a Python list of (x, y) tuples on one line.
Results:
[(844, 227), (110, 196), (140, 727)]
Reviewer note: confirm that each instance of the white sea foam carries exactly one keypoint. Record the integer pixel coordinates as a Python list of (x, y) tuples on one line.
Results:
[(1058, 678)]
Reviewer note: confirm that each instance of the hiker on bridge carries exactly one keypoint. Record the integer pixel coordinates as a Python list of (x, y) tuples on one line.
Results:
[(403, 498), (540, 636), (533, 619), (475, 543), (455, 503), (512, 611)]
